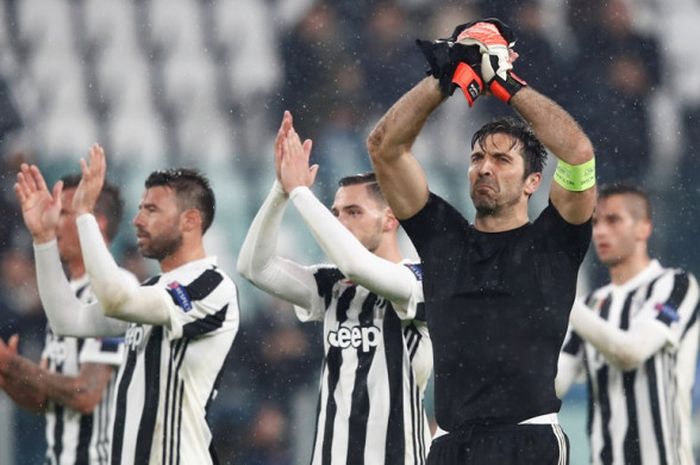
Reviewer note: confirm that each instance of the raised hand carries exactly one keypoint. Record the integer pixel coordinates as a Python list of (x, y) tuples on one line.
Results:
[(40, 208), (93, 178), (294, 169), (279, 140)]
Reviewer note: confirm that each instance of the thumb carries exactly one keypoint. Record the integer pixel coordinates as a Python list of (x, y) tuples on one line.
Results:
[(313, 171)]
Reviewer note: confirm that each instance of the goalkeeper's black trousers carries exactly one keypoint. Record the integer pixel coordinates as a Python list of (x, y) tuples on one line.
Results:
[(501, 445)]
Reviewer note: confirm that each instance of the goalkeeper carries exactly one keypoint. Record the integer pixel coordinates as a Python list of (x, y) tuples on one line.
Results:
[(498, 290)]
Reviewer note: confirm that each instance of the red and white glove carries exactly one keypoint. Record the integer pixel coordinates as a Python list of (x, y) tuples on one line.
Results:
[(495, 41)]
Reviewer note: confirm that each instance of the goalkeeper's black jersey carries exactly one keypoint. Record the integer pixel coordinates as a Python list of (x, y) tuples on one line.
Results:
[(497, 307)]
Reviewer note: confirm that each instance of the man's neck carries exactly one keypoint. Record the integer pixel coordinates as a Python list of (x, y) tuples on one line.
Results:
[(503, 220), (628, 269), (389, 250), (182, 256)]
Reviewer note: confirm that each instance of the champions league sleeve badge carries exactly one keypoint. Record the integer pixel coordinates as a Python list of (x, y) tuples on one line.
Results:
[(180, 296)]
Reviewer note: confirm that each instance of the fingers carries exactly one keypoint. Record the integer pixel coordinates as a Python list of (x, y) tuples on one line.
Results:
[(28, 177), (21, 188), (307, 145), (38, 178), (313, 171), (56, 191), (13, 343)]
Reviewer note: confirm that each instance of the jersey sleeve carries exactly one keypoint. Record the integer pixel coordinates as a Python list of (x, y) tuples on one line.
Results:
[(325, 277), (561, 236), (107, 351), (415, 308), (570, 363), (672, 306), (206, 306), (433, 229)]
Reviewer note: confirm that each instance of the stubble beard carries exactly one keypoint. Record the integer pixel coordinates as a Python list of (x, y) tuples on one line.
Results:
[(161, 247)]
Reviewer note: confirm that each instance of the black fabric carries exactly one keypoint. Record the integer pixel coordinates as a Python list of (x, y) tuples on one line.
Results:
[(501, 445), (497, 308)]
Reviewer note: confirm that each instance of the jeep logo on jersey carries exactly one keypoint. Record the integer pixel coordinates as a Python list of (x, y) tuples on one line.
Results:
[(355, 337), (133, 337), (180, 296)]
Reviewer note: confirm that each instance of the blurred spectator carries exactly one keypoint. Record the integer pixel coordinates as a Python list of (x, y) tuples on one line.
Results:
[(267, 442), (390, 59), (612, 79)]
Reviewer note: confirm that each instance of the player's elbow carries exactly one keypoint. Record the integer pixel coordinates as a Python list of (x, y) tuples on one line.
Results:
[(582, 151), (375, 143), (244, 269), (627, 359)]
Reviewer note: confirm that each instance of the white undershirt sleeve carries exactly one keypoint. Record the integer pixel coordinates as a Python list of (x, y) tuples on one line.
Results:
[(119, 296), (392, 281), (258, 263), (625, 349), (66, 314)]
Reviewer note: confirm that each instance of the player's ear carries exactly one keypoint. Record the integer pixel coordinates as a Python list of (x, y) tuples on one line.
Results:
[(532, 183), (191, 220), (390, 221)]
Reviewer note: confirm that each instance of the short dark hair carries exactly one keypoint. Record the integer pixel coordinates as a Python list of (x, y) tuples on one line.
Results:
[(608, 190), (534, 153), (368, 178), (109, 204), (192, 190)]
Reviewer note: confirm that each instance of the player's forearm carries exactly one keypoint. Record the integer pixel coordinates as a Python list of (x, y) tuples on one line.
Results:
[(390, 280), (625, 349), (35, 385), (260, 242), (110, 286), (398, 129), (23, 396), (553, 126), (258, 262)]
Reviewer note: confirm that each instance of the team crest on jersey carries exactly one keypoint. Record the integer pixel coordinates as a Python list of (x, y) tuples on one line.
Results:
[(180, 296), (667, 313)]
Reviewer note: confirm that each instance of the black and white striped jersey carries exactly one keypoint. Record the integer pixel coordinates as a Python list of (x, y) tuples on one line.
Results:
[(73, 438), (171, 373), (642, 416), (378, 358)]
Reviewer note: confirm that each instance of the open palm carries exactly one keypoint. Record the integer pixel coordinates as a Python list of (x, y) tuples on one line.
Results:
[(40, 208)]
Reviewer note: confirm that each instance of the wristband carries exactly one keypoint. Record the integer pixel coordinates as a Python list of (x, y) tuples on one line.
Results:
[(469, 81), (575, 178)]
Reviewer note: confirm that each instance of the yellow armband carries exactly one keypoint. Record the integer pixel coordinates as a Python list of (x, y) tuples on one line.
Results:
[(575, 178)]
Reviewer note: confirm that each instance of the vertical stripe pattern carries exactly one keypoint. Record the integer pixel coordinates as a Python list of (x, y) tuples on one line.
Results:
[(635, 416)]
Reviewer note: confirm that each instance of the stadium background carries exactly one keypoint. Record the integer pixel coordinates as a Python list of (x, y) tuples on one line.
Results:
[(204, 82)]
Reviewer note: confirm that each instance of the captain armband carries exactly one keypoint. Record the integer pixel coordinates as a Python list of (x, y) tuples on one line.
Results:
[(575, 178)]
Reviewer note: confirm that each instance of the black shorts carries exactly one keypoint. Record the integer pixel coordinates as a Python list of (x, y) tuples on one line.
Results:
[(502, 445)]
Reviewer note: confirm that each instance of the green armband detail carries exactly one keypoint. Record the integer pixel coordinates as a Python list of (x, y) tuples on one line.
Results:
[(575, 178)]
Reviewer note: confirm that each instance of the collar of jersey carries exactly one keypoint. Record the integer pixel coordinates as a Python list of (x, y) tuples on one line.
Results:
[(205, 262), (647, 274)]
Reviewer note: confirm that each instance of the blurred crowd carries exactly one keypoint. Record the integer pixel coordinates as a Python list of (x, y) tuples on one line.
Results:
[(623, 68)]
